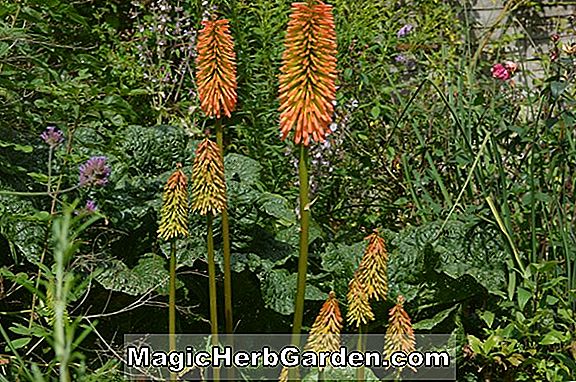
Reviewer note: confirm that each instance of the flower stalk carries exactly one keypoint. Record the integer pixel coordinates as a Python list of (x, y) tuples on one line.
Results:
[(209, 198), (216, 78), (303, 255), (174, 224), (306, 91), (226, 246)]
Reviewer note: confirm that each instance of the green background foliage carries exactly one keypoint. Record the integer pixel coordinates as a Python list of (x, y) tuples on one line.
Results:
[(469, 179)]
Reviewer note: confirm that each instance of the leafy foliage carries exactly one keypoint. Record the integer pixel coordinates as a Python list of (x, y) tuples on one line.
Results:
[(469, 180)]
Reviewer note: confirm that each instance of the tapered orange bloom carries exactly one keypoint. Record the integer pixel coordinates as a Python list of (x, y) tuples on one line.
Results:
[(208, 183), (399, 335), (359, 309), (308, 73), (174, 214), (216, 68), (325, 332), (373, 268)]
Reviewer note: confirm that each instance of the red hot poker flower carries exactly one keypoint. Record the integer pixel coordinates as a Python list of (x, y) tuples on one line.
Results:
[(216, 69), (308, 73)]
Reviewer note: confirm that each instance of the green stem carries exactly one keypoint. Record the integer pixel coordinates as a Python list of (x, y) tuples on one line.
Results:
[(39, 273), (212, 288), (172, 298), (303, 258), (226, 245), (360, 347), (19, 193)]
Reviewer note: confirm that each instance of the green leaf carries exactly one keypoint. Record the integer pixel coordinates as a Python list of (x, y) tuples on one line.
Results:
[(375, 112), (491, 342), (487, 317), (475, 344), (23, 148), (553, 337), (431, 323), (148, 274), (277, 206), (557, 88), (523, 297), (41, 178), (279, 291), (20, 342)]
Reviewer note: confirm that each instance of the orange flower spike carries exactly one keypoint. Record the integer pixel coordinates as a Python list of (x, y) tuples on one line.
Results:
[(400, 334), (359, 309), (308, 74), (325, 332), (216, 69), (374, 267)]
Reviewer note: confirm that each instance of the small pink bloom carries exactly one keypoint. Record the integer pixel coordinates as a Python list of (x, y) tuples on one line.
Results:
[(500, 72)]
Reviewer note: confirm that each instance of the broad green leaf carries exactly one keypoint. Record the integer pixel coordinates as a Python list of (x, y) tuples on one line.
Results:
[(149, 274), (279, 291), (487, 317), (475, 344), (277, 206), (431, 323), (553, 337), (523, 297)]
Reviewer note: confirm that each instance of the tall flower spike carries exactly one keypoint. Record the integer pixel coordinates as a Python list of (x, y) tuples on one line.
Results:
[(208, 183), (174, 214), (373, 268), (308, 73), (359, 309), (216, 68), (399, 335), (325, 332)]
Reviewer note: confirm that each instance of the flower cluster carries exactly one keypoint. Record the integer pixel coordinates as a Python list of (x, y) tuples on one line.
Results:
[(372, 272), (94, 172), (504, 71), (52, 136), (325, 332), (174, 214), (308, 74), (208, 183), (359, 309), (90, 206), (216, 68), (400, 334), (405, 30)]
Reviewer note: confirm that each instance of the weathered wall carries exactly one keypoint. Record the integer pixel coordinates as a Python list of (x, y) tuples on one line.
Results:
[(527, 28)]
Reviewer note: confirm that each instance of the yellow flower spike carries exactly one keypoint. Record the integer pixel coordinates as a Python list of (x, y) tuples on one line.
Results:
[(208, 182), (174, 214), (399, 335), (308, 74), (325, 332), (374, 267), (359, 309), (216, 69)]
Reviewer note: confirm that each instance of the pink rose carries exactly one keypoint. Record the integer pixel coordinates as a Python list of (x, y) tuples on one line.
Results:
[(500, 72)]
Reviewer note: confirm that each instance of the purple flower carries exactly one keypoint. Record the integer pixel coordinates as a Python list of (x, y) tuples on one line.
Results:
[(400, 58), (52, 136), (90, 206), (404, 30), (94, 172)]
